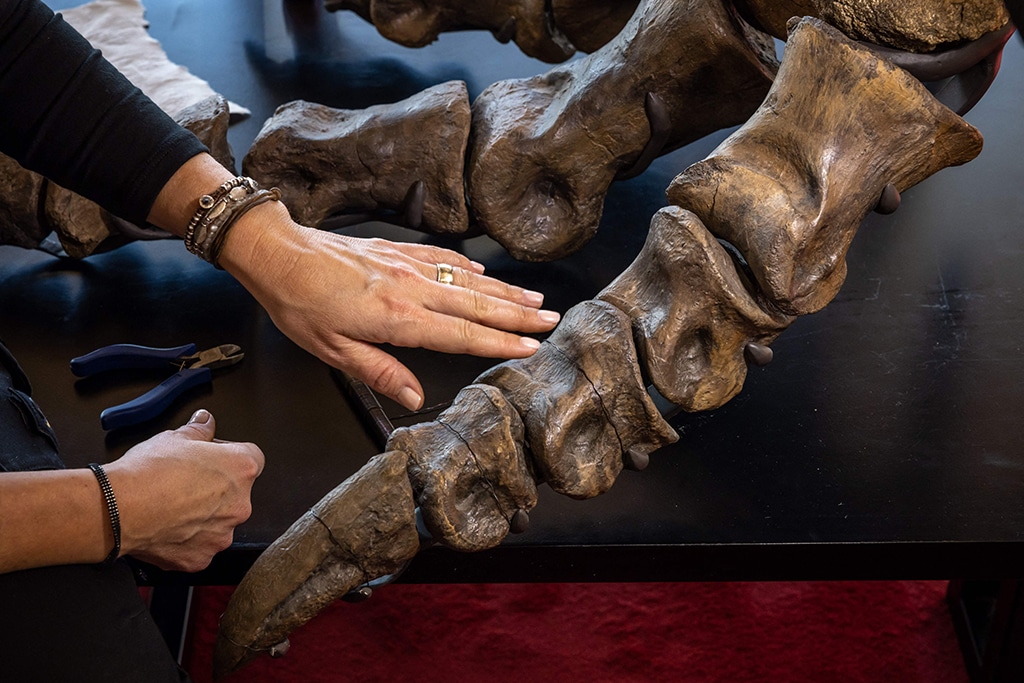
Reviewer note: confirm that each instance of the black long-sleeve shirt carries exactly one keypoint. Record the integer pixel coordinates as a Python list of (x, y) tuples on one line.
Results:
[(68, 114)]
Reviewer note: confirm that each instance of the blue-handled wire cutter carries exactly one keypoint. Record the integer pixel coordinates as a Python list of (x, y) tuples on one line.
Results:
[(193, 368)]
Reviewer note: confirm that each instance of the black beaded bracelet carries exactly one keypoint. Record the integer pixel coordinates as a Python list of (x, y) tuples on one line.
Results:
[(115, 516)]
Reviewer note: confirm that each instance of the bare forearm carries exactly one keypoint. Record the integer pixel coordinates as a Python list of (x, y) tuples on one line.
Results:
[(50, 518)]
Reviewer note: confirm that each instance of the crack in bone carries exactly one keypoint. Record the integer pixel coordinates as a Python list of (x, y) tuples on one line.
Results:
[(346, 552), (476, 461), (600, 400)]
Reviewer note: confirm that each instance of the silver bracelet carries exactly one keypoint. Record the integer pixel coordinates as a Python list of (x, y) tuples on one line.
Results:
[(115, 516)]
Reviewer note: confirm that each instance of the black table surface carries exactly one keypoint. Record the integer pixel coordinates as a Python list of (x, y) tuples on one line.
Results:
[(884, 441)]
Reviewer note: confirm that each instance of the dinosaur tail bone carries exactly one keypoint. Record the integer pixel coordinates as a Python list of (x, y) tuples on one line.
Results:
[(363, 529)]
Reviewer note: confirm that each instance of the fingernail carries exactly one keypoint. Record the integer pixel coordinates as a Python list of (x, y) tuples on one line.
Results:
[(201, 416), (410, 399), (533, 298), (478, 268), (530, 343), (549, 316)]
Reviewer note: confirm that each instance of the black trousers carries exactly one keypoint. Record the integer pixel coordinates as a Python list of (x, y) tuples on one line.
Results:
[(82, 623)]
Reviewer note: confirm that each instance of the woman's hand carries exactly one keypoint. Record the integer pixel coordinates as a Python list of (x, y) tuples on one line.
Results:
[(181, 494), (338, 296)]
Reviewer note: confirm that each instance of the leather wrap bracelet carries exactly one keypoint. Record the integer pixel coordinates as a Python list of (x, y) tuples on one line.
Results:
[(115, 516), (219, 211)]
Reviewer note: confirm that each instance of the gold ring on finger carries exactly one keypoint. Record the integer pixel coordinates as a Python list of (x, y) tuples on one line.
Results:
[(445, 274)]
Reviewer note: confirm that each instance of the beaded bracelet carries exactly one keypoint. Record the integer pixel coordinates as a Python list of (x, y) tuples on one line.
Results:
[(115, 517), (207, 204), (218, 212)]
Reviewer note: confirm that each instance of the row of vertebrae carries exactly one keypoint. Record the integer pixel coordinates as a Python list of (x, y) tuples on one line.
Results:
[(788, 191), (549, 30), (552, 30), (533, 157)]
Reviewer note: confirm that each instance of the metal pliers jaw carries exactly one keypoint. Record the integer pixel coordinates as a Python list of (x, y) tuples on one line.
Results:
[(193, 369)]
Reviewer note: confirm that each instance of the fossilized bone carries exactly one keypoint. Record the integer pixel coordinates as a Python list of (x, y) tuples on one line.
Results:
[(693, 313), (684, 311), (415, 23), (921, 26), (325, 160), (20, 192), (583, 401), (543, 150), (469, 470), (912, 25), (826, 154), (366, 526), (590, 24)]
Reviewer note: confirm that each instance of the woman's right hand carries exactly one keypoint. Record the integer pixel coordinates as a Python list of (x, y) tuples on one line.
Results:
[(181, 494)]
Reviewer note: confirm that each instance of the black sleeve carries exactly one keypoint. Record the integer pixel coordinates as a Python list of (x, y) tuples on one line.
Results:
[(68, 114)]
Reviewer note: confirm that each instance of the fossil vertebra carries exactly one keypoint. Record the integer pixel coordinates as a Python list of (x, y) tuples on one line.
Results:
[(543, 150), (326, 160)]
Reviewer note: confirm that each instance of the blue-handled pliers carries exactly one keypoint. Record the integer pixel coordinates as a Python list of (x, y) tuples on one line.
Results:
[(193, 368)]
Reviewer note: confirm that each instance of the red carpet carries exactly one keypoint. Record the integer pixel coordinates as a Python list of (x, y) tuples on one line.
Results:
[(835, 632)]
